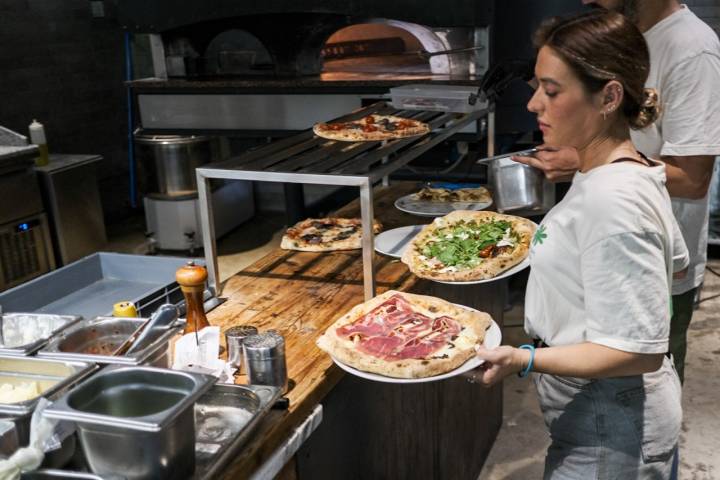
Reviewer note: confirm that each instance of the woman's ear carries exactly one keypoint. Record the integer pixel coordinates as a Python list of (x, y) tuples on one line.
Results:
[(612, 97)]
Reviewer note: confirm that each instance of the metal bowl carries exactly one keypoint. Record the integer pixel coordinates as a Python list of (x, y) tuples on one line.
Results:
[(137, 421), (95, 340)]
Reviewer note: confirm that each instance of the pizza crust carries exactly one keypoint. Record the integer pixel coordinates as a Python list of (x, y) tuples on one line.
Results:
[(488, 268), (475, 324), (292, 240)]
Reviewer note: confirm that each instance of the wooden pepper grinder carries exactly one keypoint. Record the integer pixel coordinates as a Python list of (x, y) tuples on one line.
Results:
[(191, 279)]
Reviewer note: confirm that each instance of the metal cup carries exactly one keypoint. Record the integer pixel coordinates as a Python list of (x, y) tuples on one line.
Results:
[(234, 338), (265, 360)]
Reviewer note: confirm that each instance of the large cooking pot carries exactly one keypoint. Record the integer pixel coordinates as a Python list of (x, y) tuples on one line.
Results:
[(518, 187), (168, 162)]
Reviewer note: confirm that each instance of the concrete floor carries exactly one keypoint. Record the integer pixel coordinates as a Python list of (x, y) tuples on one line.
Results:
[(518, 453)]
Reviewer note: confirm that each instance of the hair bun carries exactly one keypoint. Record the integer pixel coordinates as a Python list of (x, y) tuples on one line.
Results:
[(649, 109)]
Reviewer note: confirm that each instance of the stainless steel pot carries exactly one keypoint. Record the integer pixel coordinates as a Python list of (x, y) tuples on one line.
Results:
[(169, 162), (518, 187), (136, 421)]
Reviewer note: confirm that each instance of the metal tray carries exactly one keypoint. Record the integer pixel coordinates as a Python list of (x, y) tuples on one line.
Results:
[(60, 322), (103, 335), (53, 376), (91, 286), (224, 420)]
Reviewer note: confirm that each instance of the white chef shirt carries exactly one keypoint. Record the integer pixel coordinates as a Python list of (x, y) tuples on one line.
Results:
[(602, 261), (685, 70)]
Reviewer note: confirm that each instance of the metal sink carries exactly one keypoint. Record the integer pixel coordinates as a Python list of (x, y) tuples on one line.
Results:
[(95, 340)]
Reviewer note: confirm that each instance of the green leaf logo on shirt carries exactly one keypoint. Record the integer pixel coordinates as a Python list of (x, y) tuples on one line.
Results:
[(539, 236)]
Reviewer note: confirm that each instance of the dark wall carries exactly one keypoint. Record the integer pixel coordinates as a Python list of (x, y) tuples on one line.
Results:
[(64, 67)]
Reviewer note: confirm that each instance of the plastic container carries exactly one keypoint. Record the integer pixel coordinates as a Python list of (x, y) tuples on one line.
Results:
[(441, 98), (37, 137)]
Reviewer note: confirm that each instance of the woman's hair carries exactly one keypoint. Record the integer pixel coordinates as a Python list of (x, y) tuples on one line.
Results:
[(600, 46)]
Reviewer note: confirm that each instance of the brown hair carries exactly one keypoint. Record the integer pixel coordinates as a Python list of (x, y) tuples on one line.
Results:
[(600, 46)]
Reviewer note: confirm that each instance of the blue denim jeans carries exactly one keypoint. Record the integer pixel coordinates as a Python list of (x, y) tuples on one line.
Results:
[(614, 428)]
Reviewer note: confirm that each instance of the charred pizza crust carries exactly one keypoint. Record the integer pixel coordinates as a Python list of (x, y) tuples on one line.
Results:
[(462, 347), (325, 234), (478, 194), (371, 128), (501, 259)]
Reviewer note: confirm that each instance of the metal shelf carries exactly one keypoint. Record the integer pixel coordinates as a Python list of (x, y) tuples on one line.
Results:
[(306, 158)]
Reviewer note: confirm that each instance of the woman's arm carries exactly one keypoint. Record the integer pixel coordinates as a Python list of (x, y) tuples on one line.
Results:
[(585, 360)]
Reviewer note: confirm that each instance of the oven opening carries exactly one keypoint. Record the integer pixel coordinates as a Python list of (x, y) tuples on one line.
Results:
[(237, 53), (384, 48)]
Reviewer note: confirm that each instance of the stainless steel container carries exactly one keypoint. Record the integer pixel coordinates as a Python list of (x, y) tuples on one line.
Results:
[(26, 333), (96, 339), (170, 161), (53, 378), (264, 356), (234, 338), (519, 187), (136, 421)]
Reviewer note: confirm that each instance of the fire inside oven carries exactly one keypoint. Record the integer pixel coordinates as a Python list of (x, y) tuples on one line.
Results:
[(373, 48)]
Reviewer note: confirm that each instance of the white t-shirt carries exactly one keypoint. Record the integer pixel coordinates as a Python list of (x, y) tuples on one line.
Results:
[(685, 70), (602, 262)]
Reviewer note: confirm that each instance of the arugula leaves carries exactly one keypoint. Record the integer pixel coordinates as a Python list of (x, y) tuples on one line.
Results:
[(459, 244)]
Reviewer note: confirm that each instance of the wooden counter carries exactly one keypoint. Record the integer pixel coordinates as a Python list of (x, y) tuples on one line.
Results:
[(431, 430)]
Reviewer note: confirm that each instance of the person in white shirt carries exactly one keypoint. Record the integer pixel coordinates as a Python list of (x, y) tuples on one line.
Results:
[(602, 262), (685, 70)]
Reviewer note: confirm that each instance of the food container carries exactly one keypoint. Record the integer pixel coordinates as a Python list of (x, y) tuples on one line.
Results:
[(439, 98), (225, 417), (26, 333), (53, 474), (264, 358), (96, 339), (53, 377), (517, 186), (136, 421)]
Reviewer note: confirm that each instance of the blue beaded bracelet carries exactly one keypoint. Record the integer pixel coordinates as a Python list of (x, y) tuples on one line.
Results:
[(526, 371)]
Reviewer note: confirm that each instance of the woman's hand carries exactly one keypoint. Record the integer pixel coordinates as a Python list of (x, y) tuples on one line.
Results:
[(558, 164), (499, 363)]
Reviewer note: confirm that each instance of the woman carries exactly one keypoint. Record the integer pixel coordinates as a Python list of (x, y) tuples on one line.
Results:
[(601, 264)]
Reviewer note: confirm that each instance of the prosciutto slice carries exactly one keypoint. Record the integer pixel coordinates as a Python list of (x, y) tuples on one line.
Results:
[(393, 331)]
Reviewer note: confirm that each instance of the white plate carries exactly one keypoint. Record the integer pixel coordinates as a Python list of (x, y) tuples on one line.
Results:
[(426, 208), (393, 242), (493, 337), (510, 271)]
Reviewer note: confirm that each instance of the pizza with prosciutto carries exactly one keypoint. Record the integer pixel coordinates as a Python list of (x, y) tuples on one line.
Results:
[(468, 245), (404, 335), (371, 128), (325, 234)]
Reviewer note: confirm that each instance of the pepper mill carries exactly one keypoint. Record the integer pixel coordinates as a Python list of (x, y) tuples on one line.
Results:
[(191, 279)]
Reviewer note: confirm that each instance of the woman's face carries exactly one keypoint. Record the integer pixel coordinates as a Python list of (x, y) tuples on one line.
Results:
[(567, 115)]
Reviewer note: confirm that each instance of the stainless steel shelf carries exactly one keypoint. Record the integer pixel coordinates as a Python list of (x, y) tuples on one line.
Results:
[(306, 158)]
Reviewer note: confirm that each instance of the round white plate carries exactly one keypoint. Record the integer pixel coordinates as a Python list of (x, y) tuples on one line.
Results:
[(493, 337), (425, 208), (393, 242), (510, 271)]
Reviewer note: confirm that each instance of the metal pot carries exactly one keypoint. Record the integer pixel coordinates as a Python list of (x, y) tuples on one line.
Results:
[(519, 187), (169, 162)]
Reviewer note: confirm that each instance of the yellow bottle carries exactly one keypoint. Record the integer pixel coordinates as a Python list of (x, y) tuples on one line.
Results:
[(37, 137)]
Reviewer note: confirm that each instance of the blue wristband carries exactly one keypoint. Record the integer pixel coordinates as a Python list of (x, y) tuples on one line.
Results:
[(526, 371)]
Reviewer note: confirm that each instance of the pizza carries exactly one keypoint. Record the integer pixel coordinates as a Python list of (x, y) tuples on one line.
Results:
[(467, 245), (404, 335), (479, 194), (371, 128), (325, 234)]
